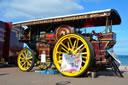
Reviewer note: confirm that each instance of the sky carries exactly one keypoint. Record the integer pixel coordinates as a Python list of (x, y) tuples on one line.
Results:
[(21, 10)]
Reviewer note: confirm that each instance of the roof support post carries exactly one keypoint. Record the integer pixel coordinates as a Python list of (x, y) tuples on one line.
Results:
[(106, 29), (111, 27)]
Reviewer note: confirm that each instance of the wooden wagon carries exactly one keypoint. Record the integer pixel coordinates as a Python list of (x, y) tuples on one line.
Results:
[(51, 39)]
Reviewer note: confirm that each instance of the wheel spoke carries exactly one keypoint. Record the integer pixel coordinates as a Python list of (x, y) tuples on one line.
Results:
[(68, 45), (60, 57), (29, 58), (29, 63), (70, 42), (84, 57), (84, 53), (84, 61), (22, 55), (74, 45), (77, 43), (78, 48), (65, 50), (61, 52), (22, 61), (81, 49), (21, 58), (27, 53), (64, 46), (23, 64)]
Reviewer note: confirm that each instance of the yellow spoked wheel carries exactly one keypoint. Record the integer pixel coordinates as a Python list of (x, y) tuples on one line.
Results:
[(26, 60), (71, 44), (44, 65)]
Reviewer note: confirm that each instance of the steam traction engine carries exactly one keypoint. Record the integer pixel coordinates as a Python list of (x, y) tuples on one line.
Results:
[(59, 40)]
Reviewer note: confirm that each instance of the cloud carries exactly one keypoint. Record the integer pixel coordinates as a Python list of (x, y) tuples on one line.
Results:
[(31, 9), (18, 10)]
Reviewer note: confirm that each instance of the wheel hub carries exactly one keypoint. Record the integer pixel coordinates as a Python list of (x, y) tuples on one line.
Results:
[(70, 52)]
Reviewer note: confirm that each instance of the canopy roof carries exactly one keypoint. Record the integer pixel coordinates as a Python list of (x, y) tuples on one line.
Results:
[(89, 19)]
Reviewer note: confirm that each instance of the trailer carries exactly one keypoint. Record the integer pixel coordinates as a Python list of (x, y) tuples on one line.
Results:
[(59, 41), (9, 44)]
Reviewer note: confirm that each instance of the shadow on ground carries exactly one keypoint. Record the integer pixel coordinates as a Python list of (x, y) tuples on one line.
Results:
[(7, 65), (2, 74), (63, 83)]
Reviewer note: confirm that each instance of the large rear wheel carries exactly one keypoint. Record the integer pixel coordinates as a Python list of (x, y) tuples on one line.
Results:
[(72, 44), (26, 59)]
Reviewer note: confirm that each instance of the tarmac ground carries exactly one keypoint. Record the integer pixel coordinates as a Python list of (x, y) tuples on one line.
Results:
[(14, 76)]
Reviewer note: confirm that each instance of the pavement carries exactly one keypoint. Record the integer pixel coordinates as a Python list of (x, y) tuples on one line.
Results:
[(14, 76)]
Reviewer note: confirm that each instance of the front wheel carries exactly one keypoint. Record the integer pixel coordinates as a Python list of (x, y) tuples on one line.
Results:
[(68, 50), (26, 59)]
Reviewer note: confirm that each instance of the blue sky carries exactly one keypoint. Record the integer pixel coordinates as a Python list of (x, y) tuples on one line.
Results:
[(20, 10)]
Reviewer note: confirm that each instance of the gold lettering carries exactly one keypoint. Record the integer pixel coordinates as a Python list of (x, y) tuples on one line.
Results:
[(77, 17)]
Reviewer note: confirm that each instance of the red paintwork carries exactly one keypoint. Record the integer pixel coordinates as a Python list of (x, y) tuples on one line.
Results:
[(49, 35), (97, 34), (101, 46), (47, 51)]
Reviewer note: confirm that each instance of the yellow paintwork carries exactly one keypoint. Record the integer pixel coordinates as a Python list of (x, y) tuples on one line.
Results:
[(24, 59), (75, 47), (44, 65)]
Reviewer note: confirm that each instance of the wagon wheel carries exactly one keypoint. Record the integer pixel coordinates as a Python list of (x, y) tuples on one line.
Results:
[(26, 59), (73, 44), (44, 65)]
